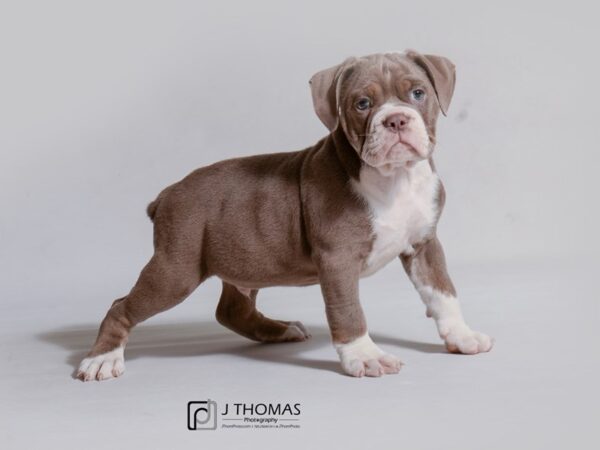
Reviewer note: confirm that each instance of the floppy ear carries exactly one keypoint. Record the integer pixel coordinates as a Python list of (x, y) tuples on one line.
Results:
[(323, 87), (441, 73)]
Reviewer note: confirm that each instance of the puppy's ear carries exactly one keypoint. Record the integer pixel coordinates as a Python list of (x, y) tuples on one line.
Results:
[(323, 87), (441, 73)]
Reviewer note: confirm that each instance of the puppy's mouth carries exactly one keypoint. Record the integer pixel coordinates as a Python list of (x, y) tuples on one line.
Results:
[(399, 153), (403, 145)]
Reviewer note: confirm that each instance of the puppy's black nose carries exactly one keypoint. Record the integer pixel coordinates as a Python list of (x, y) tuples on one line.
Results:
[(396, 122)]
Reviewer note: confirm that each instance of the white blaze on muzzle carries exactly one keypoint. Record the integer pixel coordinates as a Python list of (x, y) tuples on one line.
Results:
[(385, 146)]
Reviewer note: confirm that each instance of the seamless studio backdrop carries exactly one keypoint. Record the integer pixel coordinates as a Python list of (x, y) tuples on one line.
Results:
[(104, 104)]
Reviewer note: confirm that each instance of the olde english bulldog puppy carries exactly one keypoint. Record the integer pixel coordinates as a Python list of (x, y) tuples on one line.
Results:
[(330, 214)]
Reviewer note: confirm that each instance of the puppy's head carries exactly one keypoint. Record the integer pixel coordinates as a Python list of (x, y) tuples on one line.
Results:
[(386, 104)]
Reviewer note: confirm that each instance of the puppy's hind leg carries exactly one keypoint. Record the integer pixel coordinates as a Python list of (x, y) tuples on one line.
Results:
[(237, 311), (164, 282)]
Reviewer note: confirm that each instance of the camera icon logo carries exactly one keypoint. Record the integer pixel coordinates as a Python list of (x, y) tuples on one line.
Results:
[(202, 415)]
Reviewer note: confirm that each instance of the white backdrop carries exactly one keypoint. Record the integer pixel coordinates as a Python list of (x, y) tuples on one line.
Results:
[(102, 104)]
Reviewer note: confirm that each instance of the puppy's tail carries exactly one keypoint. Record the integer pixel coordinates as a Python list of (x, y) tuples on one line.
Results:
[(153, 206), (151, 209)]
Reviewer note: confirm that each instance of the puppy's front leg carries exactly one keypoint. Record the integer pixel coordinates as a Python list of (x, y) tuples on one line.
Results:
[(358, 353), (427, 270)]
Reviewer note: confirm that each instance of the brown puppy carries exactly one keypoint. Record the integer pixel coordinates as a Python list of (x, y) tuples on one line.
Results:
[(330, 214)]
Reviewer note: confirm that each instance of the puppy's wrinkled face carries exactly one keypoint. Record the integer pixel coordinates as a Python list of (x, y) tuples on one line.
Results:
[(386, 104), (387, 107)]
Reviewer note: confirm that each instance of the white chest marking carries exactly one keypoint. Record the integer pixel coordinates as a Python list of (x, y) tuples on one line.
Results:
[(403, 210)]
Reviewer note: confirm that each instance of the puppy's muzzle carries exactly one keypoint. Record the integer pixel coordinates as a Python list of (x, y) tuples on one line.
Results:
[(396, 136), (406, 129)]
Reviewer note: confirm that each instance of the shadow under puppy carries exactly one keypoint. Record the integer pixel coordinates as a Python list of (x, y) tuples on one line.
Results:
[(330, 214)]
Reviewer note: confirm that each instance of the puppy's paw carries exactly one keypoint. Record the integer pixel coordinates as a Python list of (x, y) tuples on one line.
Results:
[(295, 332), (362, 357), (461, 339), (102, 367)]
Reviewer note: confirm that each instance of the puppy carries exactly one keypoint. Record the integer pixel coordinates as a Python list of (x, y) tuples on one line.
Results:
[(330, 214)]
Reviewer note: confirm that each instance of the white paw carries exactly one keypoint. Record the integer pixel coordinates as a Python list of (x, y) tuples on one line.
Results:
[(460, 338), (362, 357), (102, 367)]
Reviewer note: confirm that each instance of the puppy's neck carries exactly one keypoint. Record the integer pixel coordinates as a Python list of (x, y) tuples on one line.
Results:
[(384, 188)]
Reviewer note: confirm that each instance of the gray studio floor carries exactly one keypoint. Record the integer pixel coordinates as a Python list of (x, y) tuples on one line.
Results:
[(537, 389)]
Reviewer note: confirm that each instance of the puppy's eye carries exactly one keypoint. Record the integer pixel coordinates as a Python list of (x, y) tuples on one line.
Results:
[(363, 103), (418, 94)]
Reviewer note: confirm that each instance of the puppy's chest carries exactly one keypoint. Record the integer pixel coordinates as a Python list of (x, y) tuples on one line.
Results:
[(405, 218)]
